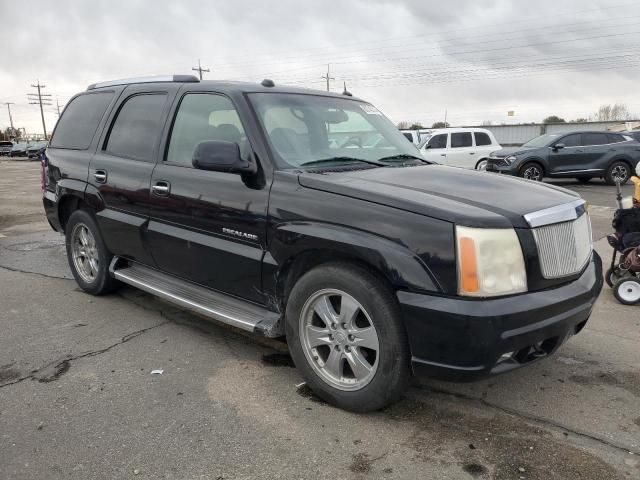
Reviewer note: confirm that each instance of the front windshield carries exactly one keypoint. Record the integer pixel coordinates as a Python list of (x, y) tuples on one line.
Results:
[(542, 140), (304, 129)]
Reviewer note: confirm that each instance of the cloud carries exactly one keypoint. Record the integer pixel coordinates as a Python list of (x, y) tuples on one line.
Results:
[(412, 58)]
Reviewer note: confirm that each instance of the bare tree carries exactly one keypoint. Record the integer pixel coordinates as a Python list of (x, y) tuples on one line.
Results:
[(618, 111), (404, 125), (486, 123)]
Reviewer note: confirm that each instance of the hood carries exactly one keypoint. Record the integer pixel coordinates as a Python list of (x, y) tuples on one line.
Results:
[(506, 151), (465, 197)]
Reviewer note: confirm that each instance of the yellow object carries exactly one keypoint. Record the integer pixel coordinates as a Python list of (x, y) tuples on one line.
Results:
[(636, 182)]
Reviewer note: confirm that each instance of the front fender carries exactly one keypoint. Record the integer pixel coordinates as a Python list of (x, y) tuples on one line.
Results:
[(403, 268)]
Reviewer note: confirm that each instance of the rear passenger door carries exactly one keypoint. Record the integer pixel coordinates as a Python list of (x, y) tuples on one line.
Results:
[(207, 227), (121, 168), (597, 149)]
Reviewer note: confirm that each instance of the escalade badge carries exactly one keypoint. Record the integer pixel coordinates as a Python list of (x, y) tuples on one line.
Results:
[(236, 233)]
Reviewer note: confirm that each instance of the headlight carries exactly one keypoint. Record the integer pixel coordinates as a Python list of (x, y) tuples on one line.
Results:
[(510, 159), (490, 262)]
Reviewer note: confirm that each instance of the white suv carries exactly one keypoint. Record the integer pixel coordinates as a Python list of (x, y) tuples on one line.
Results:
[(460, 147)]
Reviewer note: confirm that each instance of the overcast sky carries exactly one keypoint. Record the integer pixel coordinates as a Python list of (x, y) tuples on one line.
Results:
[(477, 59)]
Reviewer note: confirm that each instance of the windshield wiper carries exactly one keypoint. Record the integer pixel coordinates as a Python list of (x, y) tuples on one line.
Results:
[(340, 159), (403, 156)]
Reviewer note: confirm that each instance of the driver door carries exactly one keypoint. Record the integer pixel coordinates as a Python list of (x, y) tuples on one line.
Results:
[(207, 227), (436, 148)]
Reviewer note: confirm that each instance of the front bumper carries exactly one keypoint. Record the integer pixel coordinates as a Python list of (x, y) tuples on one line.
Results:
[(460, 339), (500, 166)]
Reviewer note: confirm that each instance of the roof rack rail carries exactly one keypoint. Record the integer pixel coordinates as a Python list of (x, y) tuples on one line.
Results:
[(150, 79)]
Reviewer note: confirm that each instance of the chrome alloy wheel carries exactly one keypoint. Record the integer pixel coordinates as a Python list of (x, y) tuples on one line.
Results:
[(619, 173), (629, 291), (84, 252), (532, 172), (482, 165), (339, 339)]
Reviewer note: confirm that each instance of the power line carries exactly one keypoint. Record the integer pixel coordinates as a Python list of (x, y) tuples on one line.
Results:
[(41, 99), (199, 69), (483, 27)]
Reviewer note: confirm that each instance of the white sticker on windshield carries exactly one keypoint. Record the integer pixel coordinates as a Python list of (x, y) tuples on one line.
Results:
[(370, 109)]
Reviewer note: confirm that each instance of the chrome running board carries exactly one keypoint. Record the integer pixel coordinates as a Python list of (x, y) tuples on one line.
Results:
[(211, 304)]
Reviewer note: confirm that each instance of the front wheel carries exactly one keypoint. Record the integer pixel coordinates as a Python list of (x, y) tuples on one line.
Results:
[(532, 171), (618, 172), (482, 164), (627, 291), (346, 337), (87, 254)]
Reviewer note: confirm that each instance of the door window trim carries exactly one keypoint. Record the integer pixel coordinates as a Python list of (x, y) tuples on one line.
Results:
[(163, 159)]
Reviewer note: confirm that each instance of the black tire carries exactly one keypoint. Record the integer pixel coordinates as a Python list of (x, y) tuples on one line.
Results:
[(532, 171), (481, 163), (103, 282), (584, 179), (627, 290), (610, 277), (392, 374), (615, 170)]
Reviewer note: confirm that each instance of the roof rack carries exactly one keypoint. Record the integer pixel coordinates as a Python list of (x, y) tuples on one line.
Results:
[(150, 79)]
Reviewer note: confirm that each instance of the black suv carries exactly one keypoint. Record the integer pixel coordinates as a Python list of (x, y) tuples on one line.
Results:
[(273, 209), (581, 155)]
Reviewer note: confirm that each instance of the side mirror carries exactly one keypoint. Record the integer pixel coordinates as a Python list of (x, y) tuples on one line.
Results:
[(427, 146), (558, 146), (219, 156)]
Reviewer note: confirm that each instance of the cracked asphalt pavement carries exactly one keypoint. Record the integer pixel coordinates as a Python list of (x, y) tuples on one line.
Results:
[(78, 400)]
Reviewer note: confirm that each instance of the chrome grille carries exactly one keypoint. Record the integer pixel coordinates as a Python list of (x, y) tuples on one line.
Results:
[(564, 248)]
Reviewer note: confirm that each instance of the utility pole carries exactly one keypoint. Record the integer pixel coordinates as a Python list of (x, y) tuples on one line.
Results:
[(199, 69), (327, 77), (8, 104), (58, 106), (445, 118), (40, 99)]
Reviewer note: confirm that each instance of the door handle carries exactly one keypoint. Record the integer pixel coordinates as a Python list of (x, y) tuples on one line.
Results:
[(472, 153), (100, 176), (161, 188), (443, 154)]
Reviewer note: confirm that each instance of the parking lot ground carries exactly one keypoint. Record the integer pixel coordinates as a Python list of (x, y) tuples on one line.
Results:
[(78, 400)]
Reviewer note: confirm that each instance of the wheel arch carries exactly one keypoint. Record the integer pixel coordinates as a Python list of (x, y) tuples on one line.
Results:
[(317, 244), (537, 160), (67, 204)]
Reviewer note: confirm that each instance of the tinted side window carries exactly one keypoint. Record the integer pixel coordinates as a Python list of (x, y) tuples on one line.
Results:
[(408, 136), (571, 140), (594, 139), (200, 117), (459, 140), (482, 139), (136, 129), (79, 121), (615, 138), (438, 141)]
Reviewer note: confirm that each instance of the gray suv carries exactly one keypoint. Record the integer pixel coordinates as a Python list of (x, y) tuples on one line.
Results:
[(581, 155)]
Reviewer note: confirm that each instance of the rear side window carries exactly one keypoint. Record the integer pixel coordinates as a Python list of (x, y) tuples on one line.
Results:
[(594, 139), (459, 140), (438, 141), (80, 120), (136, 129), (482, 139)]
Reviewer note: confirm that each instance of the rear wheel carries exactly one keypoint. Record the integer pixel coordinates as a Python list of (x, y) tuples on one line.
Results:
[(617, 171), (346, 337), (627, 291), (532, 171), (87, 254)]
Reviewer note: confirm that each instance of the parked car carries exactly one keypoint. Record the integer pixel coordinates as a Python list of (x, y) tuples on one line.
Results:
[(5, 148), (412, 135), (35, 149), (460, 147), (228, 198), (580, 155), (19, 150)]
